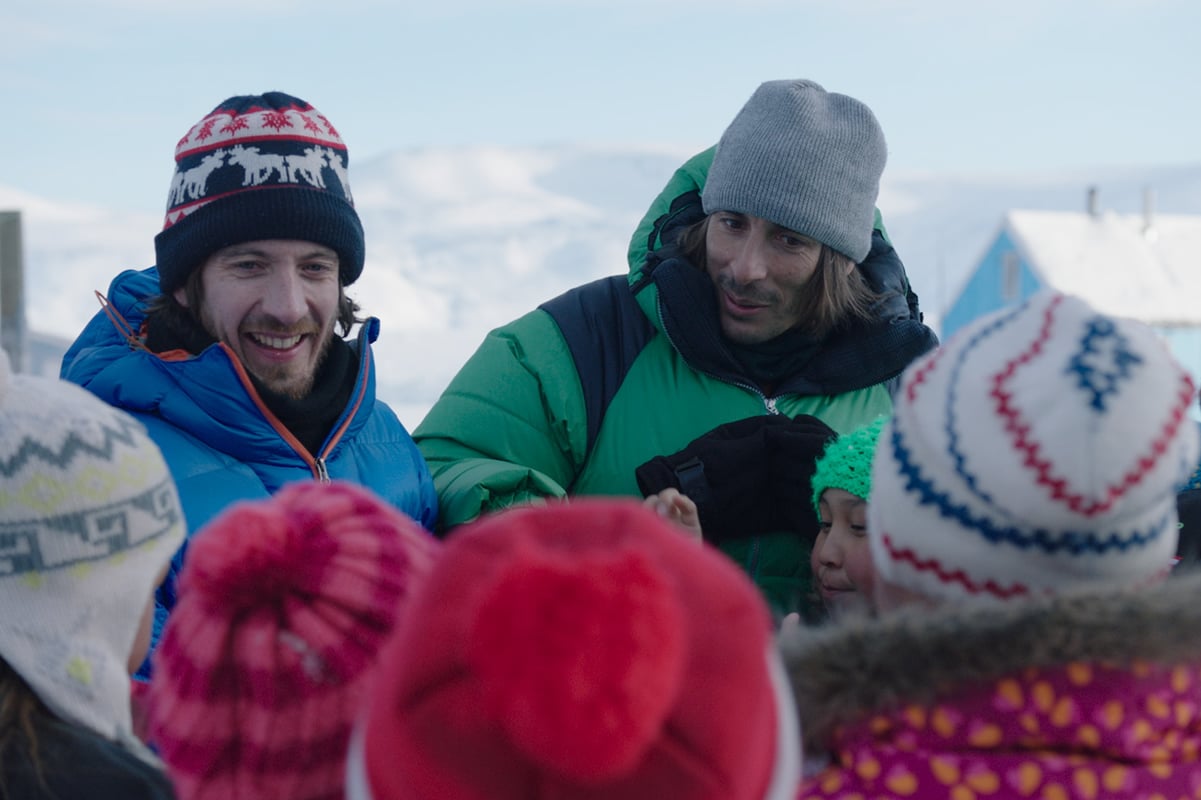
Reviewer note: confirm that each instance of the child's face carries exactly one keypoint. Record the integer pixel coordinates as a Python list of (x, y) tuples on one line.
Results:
[(141, 639), (841, 559)]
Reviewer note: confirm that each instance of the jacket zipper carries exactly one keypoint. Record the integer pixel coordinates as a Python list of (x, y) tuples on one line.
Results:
[(316, 465), (352, 410), (769, 403)]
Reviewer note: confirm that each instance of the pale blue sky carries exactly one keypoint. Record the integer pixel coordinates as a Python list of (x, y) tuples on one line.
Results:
[(94, 95)]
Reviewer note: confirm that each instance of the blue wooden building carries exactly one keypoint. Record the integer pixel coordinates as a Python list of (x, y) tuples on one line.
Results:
[(1142, 266)]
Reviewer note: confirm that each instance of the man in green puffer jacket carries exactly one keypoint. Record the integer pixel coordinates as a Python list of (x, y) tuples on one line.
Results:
[(761, 283)]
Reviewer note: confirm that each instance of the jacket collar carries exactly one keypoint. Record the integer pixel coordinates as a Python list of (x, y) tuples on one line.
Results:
[(854, 667), (193, 393)]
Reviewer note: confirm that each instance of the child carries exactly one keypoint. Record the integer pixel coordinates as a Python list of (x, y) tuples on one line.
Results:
[(842, 482), (283, 604), (679, 508), (1022, 523), (580, 650), (737, 487), (89, 520)]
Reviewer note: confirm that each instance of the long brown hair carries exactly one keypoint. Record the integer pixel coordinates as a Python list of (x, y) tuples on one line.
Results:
[(835, 295), (18, 708)]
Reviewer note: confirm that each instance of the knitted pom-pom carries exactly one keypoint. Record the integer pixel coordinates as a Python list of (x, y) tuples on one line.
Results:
[(269, 653), (580, 660), (244, 559)]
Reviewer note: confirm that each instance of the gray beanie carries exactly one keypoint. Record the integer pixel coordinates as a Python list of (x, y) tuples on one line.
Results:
[(803, 158)]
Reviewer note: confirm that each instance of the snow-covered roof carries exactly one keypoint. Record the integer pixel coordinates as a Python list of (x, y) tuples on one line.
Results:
[(1115, 262)]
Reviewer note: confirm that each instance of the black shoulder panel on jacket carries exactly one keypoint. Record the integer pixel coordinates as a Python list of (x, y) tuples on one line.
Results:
[(605, 330)]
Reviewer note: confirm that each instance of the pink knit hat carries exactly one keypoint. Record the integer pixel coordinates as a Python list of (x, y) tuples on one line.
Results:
[(581, 650), (283, 605)]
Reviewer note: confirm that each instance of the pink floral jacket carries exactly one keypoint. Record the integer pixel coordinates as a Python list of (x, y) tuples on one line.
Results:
[(1072, 697)]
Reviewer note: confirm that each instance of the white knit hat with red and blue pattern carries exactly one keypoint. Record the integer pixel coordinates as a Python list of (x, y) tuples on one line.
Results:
[(1040, 449)]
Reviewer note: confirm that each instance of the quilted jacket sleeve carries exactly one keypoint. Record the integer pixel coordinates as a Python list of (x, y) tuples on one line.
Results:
[(509, 428)]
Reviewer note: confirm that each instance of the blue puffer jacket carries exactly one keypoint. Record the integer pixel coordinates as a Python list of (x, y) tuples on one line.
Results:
[(220, 441)]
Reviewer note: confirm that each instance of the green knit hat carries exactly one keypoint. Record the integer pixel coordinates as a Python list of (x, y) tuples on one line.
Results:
[(847, 462)]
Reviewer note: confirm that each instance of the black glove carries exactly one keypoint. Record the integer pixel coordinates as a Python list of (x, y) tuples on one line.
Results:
[(747, 477)]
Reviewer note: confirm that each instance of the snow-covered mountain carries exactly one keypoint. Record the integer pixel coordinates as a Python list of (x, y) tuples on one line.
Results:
[(460, 240)]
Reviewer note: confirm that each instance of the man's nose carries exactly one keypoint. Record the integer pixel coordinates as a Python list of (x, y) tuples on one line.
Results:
[(749, 263), (285, 298)]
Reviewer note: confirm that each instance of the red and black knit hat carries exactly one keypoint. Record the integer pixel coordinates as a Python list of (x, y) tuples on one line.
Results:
[(257, 167), (268, 653)]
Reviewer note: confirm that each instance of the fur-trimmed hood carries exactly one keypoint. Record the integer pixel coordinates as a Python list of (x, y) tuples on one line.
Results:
[(846, 670)]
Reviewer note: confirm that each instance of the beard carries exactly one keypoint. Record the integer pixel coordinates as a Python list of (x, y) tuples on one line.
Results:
[(284, 379), (292, 379)]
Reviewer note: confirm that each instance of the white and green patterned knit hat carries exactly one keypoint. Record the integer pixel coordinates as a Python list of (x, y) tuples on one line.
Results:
[(89, 517)]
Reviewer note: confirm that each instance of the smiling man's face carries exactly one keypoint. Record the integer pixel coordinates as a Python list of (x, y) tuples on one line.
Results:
[(275, 304)]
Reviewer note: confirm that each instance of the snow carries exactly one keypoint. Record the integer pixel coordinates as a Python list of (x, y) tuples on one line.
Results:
[(1116, 262), (461, 240)]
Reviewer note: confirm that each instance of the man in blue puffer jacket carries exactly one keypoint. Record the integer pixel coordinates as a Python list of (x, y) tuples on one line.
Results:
[(230, 350)]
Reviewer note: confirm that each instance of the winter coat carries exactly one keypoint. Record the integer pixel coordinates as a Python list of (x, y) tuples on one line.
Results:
[(1085, 695), (220, 442), (572, 397), (74, 763)]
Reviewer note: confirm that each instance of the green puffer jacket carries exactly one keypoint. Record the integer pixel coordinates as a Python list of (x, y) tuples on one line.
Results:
[(572, 397)]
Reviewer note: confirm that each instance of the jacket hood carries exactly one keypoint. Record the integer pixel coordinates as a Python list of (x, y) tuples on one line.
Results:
[(847, 670), (675, 208), (669, 290), (678, 206)]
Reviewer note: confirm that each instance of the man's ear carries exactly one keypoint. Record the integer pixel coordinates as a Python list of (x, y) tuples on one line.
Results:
[(181, 296)]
